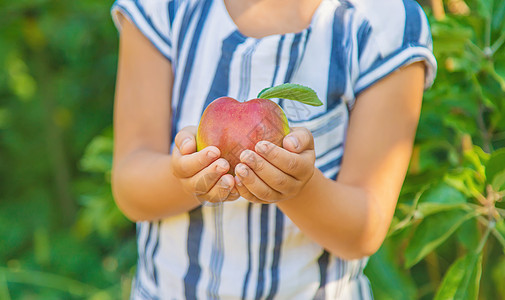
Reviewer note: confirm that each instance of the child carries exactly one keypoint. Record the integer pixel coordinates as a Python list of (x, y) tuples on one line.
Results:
[(300, 220)]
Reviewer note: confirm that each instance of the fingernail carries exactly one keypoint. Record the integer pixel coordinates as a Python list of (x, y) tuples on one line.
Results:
[(211, 154), (247, 156), (262, 147), (225, 182), (222, 166), (242, 170), (185, 141), (238, 181), (243, 155), (294, 141)]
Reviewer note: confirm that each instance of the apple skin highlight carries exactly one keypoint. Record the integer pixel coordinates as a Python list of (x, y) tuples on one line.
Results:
[(234, 126)]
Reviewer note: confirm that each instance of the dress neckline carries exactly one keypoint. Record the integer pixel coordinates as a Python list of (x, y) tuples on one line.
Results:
[(230, 20)]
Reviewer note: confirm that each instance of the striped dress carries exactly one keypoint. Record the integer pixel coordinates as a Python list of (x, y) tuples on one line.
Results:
[(253, 251)]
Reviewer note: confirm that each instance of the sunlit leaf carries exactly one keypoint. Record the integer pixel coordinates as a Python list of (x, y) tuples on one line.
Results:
[(495, 169), (98, 155), (292, 91), (462, 279), (457, 180), (21, 82)]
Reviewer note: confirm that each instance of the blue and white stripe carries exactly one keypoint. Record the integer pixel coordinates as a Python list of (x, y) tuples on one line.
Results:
[(253, 251)]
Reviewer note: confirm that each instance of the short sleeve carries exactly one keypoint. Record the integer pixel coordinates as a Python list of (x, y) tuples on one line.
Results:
[(152, 17), (393, 34)]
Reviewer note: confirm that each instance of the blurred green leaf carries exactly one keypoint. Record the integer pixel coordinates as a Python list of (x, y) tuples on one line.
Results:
[(468, 234), (500, 232), (4, 118), (499, 14), (98, 155), (484, 8), (388, 280), (48, 280), (41, 247), (499, 277), (477, 158), (495, 170), (462, 279), (21, 82), (4, 289), (440, 197), (498, 182), (433, 231), (449, 39)]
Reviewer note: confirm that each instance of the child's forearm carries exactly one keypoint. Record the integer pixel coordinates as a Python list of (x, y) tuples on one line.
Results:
[(344, 219), (350, 217), (145, 188)]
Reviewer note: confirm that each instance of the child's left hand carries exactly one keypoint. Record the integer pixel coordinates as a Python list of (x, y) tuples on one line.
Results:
[(271, 173)]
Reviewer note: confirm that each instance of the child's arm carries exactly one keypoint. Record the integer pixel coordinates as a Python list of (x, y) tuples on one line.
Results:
[(349, 217), (147, 182)]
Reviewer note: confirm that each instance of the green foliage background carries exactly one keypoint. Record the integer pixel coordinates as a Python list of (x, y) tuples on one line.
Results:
[(61, 236)]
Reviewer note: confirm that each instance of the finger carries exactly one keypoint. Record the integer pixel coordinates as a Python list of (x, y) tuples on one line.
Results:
[(255, 185), (293, 164), (268, 173), (298, 140), (234, 194), (203, 181), (221, 190), (188, 165), (185, 140), (245, 193)]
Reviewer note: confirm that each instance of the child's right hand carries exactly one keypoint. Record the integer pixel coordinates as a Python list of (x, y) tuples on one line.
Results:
[(202, 173)]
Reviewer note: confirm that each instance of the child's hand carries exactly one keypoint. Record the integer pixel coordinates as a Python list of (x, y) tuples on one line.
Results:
[(271, 173), (202, 173)]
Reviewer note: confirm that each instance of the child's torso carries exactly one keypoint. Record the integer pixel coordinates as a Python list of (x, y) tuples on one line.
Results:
[(242, 249)]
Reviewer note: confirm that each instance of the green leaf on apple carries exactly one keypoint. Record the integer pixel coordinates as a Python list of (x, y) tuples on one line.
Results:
[(292, 91)]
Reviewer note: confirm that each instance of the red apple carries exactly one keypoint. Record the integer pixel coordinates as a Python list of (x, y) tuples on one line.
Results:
[(234, 126)]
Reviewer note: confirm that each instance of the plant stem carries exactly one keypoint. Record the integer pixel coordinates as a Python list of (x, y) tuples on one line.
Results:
[(487, 35), (497, 77), (496, 234), (406, 221), (500, 239), (498, 43), (4, 289), (433, 267), (480, 119), (48, 280), (501, 211), (475, 49), (489, 228), (55, 144)]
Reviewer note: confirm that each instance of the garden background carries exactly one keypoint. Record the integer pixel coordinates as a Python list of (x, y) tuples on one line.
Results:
[(62, 237)]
